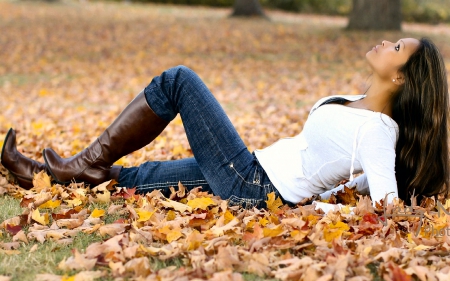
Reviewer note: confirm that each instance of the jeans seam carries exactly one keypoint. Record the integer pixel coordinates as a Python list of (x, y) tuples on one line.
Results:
[(170, 183), (242, 178)]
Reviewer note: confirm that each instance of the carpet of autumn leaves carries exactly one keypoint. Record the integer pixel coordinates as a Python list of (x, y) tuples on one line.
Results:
[(67, 69)]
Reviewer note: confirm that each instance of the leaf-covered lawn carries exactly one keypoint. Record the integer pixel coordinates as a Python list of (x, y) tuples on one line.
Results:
[(67, 69)]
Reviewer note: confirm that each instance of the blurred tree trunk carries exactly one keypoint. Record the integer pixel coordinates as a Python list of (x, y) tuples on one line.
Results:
[(375, 15), (247, 8)]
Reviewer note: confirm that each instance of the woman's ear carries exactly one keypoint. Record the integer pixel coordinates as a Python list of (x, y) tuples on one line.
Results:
[(399, 80)]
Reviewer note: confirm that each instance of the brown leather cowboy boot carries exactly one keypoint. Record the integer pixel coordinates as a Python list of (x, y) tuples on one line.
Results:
[(134, 128), (23, 168)]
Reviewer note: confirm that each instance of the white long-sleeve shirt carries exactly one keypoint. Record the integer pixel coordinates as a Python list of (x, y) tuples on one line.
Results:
[(336, 142)]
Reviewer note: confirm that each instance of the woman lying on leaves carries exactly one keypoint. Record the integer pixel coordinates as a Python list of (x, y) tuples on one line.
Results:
[(396, 133)]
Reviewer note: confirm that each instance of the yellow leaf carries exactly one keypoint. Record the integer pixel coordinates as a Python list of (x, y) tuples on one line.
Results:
[(44, 220), (144, 215), (312, 219), (121, 162), (200, 203), (97, 213), (228, 216), (263, 221), (74, 202), (173, 235), (68, 278), (43, 92), (345, 210), (179, 149), (104, 197), (272, 232), (332, 231), (422, 247), (272, 203), (50, 204), (194, 240), (170, 215)]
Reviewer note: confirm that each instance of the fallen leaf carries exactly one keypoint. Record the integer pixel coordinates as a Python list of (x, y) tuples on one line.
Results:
[(36, 216), (273, 204)]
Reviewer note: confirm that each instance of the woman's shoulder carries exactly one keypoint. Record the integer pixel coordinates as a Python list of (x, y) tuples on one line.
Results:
[(379, 123)]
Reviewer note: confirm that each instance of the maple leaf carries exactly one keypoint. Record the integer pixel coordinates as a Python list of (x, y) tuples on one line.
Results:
[(346, 196), (13, 229), (273, 204), (50, 204), (41, 181), (97, 213), (194, 240), (73, 203), (36, 216), (334, 230), (398, 274), (200, 203), (144, 215), (173, 235), (272, 232)]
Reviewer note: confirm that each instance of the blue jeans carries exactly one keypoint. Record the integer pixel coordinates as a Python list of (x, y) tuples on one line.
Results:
[(222, 164)]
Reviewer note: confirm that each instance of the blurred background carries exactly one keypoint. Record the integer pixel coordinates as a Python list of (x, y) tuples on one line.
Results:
[(67, 68)]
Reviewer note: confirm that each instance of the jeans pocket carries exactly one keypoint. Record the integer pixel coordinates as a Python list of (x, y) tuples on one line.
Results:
[(244, 202), (254, 175)]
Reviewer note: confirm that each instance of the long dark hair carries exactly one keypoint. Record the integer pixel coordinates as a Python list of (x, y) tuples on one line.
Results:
[(421, 110)]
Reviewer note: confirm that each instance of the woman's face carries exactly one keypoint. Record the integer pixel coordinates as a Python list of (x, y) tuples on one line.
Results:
[(386, 59)]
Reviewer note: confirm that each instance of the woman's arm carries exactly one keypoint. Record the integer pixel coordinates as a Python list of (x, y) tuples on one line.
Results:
[(360, 183), (376, 153)]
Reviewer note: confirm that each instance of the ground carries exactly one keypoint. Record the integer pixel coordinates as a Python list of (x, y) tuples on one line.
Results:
[(68, 68)]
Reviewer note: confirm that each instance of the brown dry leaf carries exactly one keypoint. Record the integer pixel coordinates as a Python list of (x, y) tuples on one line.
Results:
[(70, 223), (113, 229), (347, 196), (77, 262), (180, 207), (139, 266), (41, 181), (89, 275), (20, 236), (194, 240)]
